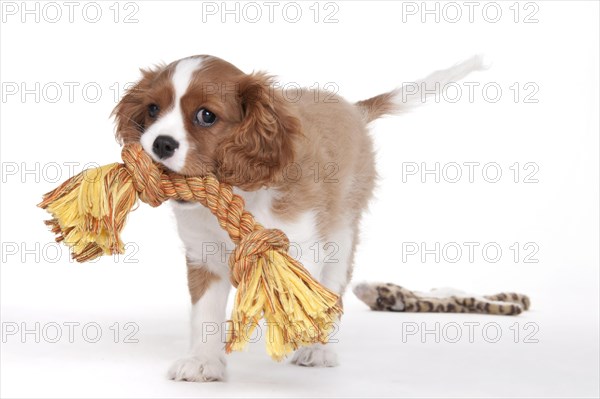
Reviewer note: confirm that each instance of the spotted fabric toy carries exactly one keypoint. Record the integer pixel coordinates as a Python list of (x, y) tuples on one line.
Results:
[(392, 297), (89, 211)]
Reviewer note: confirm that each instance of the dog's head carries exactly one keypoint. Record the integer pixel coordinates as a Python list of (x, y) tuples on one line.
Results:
[(202, 115)]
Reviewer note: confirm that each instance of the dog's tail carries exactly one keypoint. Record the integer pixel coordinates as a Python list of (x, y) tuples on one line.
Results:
[(416, 93)]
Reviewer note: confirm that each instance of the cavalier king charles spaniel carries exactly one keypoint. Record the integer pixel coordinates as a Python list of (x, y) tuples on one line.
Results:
[(303, 161)]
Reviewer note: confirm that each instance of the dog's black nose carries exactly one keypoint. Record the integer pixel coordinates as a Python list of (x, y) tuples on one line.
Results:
[(164, 146)]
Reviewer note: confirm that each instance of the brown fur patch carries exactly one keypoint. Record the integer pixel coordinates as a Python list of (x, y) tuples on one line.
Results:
[(255, 154), (312, 146), (378, 106), (131, 114), (199, 279)]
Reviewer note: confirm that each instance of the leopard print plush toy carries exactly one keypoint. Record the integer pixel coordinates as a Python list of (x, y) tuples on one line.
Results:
[(386, 296)]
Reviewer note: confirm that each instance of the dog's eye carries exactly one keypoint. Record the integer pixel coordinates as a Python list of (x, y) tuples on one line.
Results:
[(379, 301), (205, 117), (153, 110)]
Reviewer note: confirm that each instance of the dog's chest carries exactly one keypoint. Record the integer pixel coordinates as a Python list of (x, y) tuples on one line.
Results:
[(207, 244)]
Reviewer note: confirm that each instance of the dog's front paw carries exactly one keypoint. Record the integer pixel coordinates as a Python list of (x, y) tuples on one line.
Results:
[(198, 369), (317, 355)]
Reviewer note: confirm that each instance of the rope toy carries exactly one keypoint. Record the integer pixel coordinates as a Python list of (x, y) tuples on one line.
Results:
[(90, 209)]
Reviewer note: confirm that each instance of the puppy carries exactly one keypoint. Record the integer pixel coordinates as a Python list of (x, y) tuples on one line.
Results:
[(303, 162)]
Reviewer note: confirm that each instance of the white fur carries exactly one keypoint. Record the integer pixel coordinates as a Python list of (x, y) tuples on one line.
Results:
[(416, 93), (337, 258), (171, 123), (206, 361), (207, 244), (199, 368), (317, 355)]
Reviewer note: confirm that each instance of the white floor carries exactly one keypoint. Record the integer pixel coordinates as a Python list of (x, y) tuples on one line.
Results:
[(374, 359)]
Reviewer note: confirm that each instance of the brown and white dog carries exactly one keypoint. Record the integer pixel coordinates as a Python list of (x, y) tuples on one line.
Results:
[(304, 163)]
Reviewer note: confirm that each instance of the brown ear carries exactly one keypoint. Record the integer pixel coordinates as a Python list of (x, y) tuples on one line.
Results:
[(130, 112), (262, 146)]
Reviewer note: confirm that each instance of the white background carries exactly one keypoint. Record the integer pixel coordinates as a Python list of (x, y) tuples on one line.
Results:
[(373, 48)]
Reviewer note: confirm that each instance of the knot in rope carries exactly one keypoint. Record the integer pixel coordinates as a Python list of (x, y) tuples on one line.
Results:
[(253, 246), (146, 175)]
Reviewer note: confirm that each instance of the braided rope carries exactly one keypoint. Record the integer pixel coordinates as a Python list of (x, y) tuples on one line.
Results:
[(88, 215), (155, 185)]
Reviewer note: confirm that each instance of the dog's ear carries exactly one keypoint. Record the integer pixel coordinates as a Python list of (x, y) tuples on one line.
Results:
[(261, 146), (130, 112)]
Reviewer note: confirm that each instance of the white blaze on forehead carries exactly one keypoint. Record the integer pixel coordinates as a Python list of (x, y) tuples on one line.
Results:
[(183, 75), (172, 123)]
